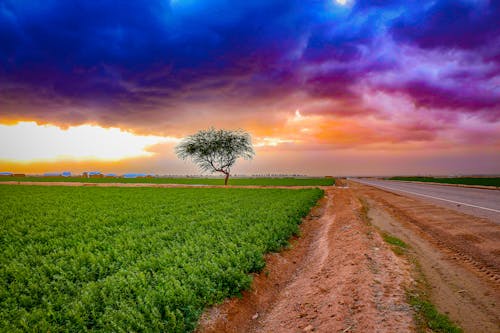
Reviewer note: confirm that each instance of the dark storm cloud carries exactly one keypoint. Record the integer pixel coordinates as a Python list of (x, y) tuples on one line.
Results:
[(451, 24), (134, 63)]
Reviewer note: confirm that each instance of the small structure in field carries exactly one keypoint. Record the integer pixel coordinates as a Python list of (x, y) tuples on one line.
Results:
[(95, 174), (52, 174), (92, 174), (134, 175)]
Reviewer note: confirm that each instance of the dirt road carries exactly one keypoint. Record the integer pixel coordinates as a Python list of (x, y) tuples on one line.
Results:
[(341, 277), (459, 254)]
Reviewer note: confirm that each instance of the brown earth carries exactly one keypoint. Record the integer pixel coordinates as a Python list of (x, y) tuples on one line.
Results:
[(340, 277), (459, 254)]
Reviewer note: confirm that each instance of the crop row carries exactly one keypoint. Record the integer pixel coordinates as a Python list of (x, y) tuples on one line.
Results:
[(200, 181), (133, 259)]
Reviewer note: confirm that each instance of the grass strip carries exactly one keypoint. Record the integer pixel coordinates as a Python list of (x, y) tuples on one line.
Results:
[(428, 316), (486, 181)]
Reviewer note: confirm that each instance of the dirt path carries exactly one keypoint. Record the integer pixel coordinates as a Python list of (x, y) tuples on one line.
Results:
[(341, 277), (458, 254)]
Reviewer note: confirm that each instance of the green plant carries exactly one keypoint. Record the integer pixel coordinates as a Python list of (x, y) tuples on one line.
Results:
[(287, 181), (398, 246), (431, 318), (485, 181), (394, 241), (134, 259)]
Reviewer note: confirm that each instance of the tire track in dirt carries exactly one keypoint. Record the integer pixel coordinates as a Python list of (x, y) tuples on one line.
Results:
[(471, 240), (456, 253), (347, 280)]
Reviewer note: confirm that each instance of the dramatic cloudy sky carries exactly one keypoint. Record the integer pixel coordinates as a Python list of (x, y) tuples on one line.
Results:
[(325, 87)]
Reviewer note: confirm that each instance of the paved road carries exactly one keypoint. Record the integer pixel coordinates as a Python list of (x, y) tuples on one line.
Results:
[(478, 202)]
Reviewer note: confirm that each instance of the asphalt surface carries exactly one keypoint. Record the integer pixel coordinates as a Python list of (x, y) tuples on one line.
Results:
[(477, 202)]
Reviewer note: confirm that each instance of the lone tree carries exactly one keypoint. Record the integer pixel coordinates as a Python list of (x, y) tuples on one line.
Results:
[(216, 150)]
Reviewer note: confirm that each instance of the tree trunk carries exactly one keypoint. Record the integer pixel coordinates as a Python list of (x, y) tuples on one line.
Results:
[(226, 179)]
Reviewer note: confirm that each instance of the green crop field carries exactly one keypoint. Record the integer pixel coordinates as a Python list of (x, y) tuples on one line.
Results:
[(486, 181), (200, 181), (133, 259)]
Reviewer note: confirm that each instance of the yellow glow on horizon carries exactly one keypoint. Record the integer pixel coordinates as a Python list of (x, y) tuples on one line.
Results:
[(272, 141), (298, 116), (27, 142)]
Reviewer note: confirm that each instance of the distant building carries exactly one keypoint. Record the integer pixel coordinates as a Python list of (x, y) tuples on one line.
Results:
[(134, 175), (95, 174), (6, 174), (52, 174), (66, 174), (111, 175), (92, 174)]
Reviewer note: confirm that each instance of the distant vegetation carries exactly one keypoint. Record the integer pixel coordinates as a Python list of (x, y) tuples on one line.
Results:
[(491, 181), (192, 181), (133, 259)]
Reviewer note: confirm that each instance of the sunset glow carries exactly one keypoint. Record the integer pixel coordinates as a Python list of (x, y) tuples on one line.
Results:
[(28, 141), (325, 87)]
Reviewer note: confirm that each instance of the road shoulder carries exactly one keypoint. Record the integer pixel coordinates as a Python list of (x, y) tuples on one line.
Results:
[(457, 254)]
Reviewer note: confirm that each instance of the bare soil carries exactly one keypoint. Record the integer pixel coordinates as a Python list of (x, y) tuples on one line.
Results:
[(340, 277), (458, 254)]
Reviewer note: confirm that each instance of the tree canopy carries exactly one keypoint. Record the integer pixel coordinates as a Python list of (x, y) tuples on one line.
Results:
[(216, 150)]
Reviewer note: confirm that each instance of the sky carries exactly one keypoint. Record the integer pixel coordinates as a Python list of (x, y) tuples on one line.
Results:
[(325, 87)]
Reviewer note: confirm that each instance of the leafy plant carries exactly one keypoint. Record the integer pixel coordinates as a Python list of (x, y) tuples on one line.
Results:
[(264, 181), (133, 259)]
